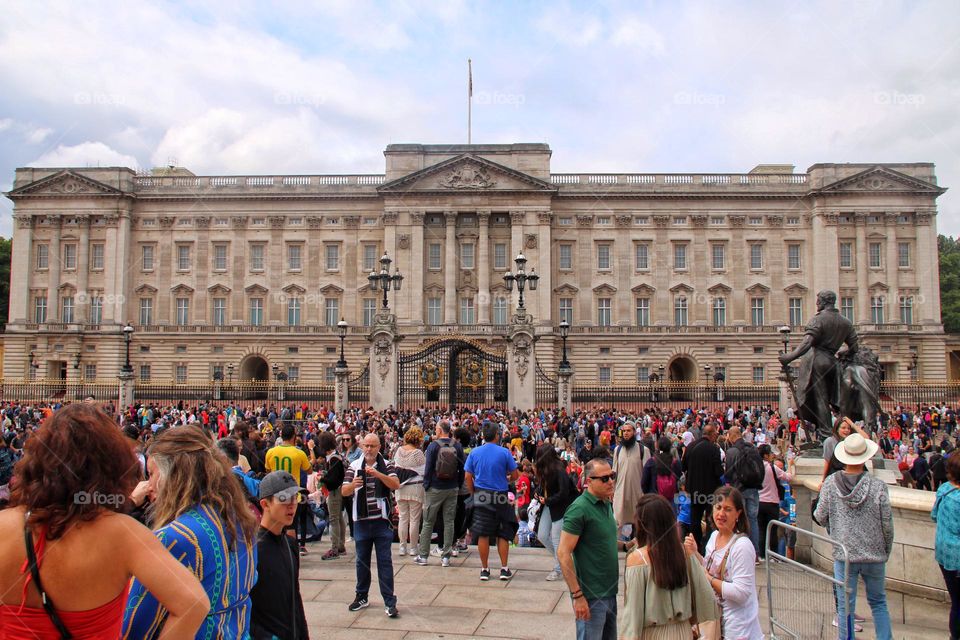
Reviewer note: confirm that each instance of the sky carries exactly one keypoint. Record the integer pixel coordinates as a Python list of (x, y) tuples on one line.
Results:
[(243, 87)]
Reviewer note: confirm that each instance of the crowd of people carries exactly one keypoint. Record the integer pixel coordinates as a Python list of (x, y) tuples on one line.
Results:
[(210, 507)]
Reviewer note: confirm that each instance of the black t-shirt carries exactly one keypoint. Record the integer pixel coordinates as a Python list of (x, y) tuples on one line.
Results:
[(277, 608)]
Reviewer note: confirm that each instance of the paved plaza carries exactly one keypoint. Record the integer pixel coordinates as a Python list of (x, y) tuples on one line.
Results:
[(452, 603)]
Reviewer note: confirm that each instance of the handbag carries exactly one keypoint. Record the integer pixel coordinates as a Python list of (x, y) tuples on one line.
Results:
[(713, 629)]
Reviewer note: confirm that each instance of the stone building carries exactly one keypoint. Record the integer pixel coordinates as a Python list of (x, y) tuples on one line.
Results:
[(679, 271)]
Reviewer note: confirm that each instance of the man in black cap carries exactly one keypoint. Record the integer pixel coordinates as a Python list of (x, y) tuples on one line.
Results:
[(277, 610)]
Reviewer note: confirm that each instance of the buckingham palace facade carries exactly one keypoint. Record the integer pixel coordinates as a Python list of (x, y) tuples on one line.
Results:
[(654, 272)]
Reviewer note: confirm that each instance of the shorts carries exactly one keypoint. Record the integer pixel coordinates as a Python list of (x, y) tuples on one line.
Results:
[(493, 515)]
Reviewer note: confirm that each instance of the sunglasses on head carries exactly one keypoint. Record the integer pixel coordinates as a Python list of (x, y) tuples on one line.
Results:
[(605, 479)]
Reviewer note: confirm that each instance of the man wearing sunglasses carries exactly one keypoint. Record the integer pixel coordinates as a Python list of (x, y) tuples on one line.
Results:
[(588, 554)]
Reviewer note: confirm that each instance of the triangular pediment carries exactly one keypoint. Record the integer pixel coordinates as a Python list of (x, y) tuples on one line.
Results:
[(145, 289), (879, 286), (331, 290), (566, 289), (256, 290), (294, 290), (758, 289), (433, 287), (796, 289), (65, 183), (218, 289), (466, 173), (643, 290), (681, 288), (181, 289), (66, 287), (719, 289), (604, 290), (880, 179)]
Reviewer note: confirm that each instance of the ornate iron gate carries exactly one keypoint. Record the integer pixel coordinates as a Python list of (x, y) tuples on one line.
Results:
[(359, 388), (453, 372), (545, 390)]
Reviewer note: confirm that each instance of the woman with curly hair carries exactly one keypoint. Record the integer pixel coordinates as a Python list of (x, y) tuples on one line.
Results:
[(65, 527), (201, 517), (411, 460)]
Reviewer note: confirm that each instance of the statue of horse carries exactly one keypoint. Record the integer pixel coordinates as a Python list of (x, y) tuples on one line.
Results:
[(860, 386)]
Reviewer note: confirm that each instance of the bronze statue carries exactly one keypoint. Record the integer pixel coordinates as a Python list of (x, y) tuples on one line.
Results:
[(818, 382), (860, 386)]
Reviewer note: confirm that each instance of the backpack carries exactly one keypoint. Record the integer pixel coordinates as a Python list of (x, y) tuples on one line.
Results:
[(667, 486), (780, 489), (6, 465), (447, 463), (749, 469)]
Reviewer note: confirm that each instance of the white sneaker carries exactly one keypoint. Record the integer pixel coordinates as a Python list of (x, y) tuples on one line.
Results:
[(403, 549), (436, 552), (553, 575), (445, 562), (455, 553)]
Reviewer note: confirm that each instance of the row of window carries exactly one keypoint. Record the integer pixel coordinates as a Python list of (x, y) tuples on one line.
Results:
[(874, 255), (181, 373), (69, 256), (643, 374)]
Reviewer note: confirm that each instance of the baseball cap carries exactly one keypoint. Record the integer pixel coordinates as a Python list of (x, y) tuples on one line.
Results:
[(280, 484)]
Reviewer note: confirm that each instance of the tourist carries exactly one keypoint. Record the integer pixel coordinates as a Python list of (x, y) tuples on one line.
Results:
[(487, 472), (744, 471), (202, 518), (588, 555), (557, 492), (371, 479), (946, 513), (331, 477), (730, 562), (277, 606), (628, 459), (442, 478), (842, 428), (409, 462), (771, 495), (286, 456), (854, 507), (666, 589), (67, 496), (703, 467), (661, 471)]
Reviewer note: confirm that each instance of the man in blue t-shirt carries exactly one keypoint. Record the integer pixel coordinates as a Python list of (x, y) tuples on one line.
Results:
[(488, 471)]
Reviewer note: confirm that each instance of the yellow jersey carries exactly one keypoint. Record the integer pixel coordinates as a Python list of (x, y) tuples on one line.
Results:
[(289, 458)]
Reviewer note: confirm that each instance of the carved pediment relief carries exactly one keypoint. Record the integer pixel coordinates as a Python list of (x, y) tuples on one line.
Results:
[(758, 289), (466, 173), (879, 286), (256, 290), (604, 290), (566, 289), (66, 288), (295, 290), (331, 290), (182, 289), (796, 289), (643, 290), (720, 289), (882, 180), (145, 289), (218, 289), (434, 288), (681, 288), (65, 183)]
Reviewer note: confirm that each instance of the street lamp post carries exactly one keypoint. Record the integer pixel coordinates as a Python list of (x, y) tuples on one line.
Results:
[(564, 332), (342, 332), (785, 338), (127, 337), (384, 279), (706, 380), (660, 378), (522, 278), (915, 376)]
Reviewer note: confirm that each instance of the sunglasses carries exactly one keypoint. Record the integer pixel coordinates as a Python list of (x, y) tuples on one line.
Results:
[(605, 479)]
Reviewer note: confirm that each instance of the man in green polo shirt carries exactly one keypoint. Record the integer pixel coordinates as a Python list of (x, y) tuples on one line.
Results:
[(588, 554)]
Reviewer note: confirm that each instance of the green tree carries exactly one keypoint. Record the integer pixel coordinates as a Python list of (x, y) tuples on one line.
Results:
[(949, 283), (6, 248)]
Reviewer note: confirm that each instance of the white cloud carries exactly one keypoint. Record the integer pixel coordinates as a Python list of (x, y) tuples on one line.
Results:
[(5, 123), (633, 32), (85, 154), (37, 135)]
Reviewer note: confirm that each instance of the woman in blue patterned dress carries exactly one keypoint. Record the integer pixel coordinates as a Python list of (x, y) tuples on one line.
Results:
[(201, 516), (946, 513)]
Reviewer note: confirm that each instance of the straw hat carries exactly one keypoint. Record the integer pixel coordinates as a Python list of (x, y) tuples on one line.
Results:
[(855, 449)]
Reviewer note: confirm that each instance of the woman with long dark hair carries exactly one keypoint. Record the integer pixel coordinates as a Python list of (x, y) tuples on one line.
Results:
[(666, 587), (556, 494)]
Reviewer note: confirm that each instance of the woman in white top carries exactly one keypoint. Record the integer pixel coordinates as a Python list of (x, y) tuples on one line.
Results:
[(410, 494), (730, 563)]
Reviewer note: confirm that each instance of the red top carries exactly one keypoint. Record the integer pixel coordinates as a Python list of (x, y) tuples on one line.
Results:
[(102, 623)]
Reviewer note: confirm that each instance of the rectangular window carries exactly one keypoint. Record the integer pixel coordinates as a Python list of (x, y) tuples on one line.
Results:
[(96, 256), (146, 311), (876, 309), (40, 309), (293, 372), (793, 256), (643, 375), (903, 254), (434, 311), (846, 255), (756, 311), (181, 373), (144, 373), (90, 372), (183, 257), (293, 311), (499, 310), (643, 257), (467, 311), (183, 311), (219, 257), (500, 256), (679, 256), (603, 256), (603, 312), (466, 256), (718, 257), (566, 310), (719, 312), (434, 258), (369, 257), (66, 309), (604, 374), (330, 374), (43, 256), (758, 375), (643, 312), (846, 308), (680, 311), (369, 311), (256, 311), (874, 254), (756, 256), (69, 256), (906, 309), (146, 257), (294, 262), (331, 311), (756, 220), (219, 311), (796, 312), (566, 257), (256, 257), (332, 257)]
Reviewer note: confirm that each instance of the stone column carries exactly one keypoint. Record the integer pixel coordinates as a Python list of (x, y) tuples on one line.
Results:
[(119, 232), (862, 313), (623, 271), (21, 263), (483, 267), (126, 391), (82, 304), (927, 269), (786, 393), (384, 357), (417, 266), (55, 261), (521, 363), (891, 267), (450, 270), (545, 268), (565, 390), (341, 401)]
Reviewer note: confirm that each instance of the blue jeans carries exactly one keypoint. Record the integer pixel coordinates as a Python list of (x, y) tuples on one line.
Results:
[(602, 624), (751, 502), (874, 574), (368, 534), (549, 535)]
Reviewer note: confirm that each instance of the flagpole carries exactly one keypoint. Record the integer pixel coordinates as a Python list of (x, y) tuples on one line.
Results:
[(469, 101)]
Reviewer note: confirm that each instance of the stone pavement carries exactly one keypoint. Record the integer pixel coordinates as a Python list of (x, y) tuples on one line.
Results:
[(453, 603)]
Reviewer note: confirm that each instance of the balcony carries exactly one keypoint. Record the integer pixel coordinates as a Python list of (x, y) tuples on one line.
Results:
[(190, 186), (681, 182)]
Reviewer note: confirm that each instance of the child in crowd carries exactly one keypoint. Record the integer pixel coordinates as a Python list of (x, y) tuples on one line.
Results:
[(682, 504), (524, 534)]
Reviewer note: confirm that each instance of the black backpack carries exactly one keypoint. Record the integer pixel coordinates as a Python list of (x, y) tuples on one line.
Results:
[(749, 468), (447, 464)]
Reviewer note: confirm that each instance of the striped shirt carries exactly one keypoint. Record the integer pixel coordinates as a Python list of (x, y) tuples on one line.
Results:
[(376, 507)]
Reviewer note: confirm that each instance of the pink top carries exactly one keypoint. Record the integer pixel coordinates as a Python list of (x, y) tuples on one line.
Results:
[(769, 491)]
